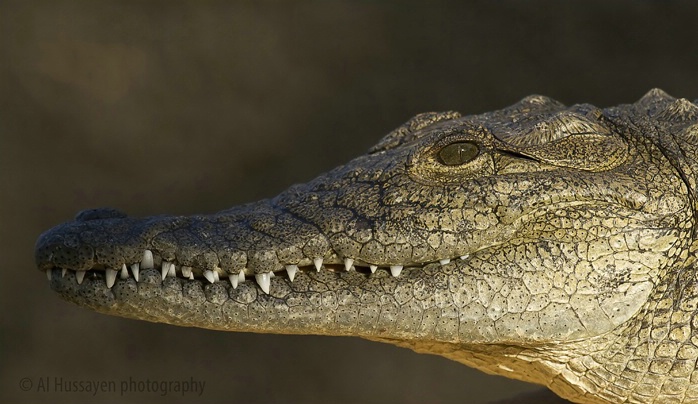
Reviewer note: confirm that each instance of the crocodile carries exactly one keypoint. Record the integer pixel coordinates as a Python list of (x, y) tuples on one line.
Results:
[(550, 244)]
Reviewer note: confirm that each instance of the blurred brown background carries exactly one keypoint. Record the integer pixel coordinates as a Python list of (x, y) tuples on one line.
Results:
[(191, 107)]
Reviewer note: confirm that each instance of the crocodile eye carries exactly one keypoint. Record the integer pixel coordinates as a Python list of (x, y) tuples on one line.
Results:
[(458, 153)]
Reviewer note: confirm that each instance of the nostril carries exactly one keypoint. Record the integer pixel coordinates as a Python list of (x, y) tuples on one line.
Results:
[(99, 213)]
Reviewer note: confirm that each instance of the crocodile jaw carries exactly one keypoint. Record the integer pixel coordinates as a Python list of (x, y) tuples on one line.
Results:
[(492, 295)]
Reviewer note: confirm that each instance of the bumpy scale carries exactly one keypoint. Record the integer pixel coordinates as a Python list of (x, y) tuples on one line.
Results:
[(545, 243)]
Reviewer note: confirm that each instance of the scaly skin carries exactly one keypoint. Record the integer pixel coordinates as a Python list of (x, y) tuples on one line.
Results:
[(549, 244)]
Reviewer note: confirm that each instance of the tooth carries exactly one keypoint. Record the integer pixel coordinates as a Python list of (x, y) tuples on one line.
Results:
[(63, 271), (444, 261), (111, 277), (264, 281), (124, 272), (48, 274), (233, 280), (373, 268), (241, 276), (318, 263), (208, 274), (186, 271), (348, 262), (135, 268), (171, 271), (291, 270), (80, 275), (191, 276), (147, 261), (395, 270), (463, 257), (165, 269), (216, 277)]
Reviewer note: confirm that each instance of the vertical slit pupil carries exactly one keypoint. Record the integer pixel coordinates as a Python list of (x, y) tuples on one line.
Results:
[(458, 153)]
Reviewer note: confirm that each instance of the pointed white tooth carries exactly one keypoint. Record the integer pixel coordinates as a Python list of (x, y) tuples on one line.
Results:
[(124, 272), (63, 271), (348, 262), (135, 269), (373, 268), (80, 275), (233, 280), (172, 271), (444, 261), (147, 261), (165, 269), (208, 274), (191, 276), (318, 263), (395, 270), (241, 276), (111, 277), (463, 257), (264, 281), (291, 270), (216, 276), (186, 271), (48, 274)]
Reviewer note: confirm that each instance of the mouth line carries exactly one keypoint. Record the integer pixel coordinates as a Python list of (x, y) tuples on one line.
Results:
[(210, 276)]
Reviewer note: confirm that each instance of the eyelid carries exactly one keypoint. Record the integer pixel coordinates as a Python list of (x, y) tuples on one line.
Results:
[(426, 166)]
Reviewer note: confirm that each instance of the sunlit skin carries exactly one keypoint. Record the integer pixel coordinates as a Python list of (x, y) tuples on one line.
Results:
[(546, 243)]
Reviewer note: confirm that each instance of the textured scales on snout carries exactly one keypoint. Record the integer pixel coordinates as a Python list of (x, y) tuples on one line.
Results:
[(550, 244)]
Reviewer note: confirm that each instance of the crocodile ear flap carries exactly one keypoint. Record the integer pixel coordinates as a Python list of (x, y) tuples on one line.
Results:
[(584, 151), (412, 130), (578, 137)]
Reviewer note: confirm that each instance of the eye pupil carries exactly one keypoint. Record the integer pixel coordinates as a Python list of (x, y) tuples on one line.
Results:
[(458, 153)]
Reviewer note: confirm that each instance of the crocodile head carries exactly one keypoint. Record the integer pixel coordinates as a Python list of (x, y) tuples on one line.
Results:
[(536, 242)]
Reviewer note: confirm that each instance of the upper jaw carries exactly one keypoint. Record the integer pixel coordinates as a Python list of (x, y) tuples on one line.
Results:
[(108, 245)]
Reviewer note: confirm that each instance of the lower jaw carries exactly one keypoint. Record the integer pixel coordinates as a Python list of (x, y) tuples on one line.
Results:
[(323, 303)]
